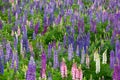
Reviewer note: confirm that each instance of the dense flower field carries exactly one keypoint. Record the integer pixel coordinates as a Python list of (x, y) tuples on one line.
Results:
[(59, 39)]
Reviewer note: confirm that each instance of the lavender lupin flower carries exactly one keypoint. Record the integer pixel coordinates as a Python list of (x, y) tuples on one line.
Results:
[(25, 39), (1, 60), (43, 61), (31, 24), (93, 26), (56, 62), (83, 56), (34, 36), (1, 53), (8, 52), (1, 25), (14, 64), (1, 67), (31, 72), (37, 27), (116, 73), (9, 16), (49, 76), (70, 52), (77, 51), (64, 40), (81, 25), (16, 41), (117, 47), (22, 49), (112, 59)]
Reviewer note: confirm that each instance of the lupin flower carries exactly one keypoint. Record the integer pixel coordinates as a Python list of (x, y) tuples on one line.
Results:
[(18, 31), (59, 46), (43, 61), (1, 60), (1, 67), (37, 27), (63, 69), (31, 49), (104, 57), (57, 20), (80, 73), (43, 74), (16, 40), (31, 72), (31, 24), (73, 71), (95, 55), (1, 53), (64, 41), (56, 62), (25, 38), (34, 36), (45, 30), (16, 16), (9, 16), (104, 16), (49, 76), (77, 51), (1, 25), (87, 61), (81, 25), (117, 47), (22, 50), (14, 64), (97, 63), (93, 26), (70, 52), (8, 52), (83, 56), (116, 73), (112, 59)]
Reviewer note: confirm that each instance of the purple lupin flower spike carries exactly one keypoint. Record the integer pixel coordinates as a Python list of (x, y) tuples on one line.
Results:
[(25, 38), (1, 53), (1, 25), (83, 56), (56, 62), (88, 39), (81, 26), (43, 61), (58, 19), (16, 41), (117, 47), (70, 52), (116, 73), (77, 51), (9, 16), (112, 59), (49, 50), (49, 76), (1, 67), (37, 27), (9, 53), (31, 24), (14, 64), (93, 26), (34, 36), (31, 72), (104, 16), (2, 59)]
